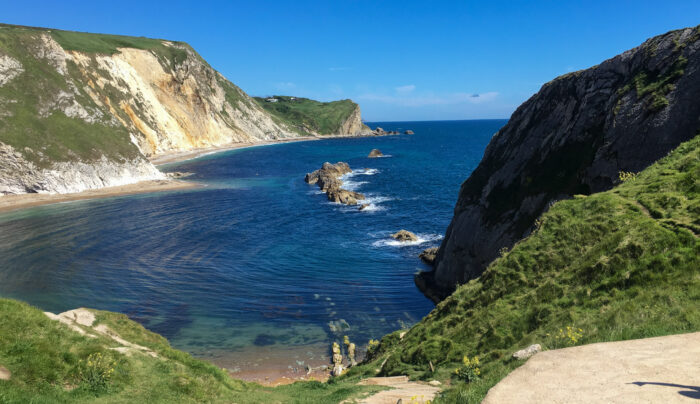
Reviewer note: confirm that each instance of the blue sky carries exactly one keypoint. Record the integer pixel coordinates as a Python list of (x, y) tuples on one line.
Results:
[(400, 60)]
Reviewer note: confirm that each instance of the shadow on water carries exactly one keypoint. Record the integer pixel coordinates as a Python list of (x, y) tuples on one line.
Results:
[(692, 392)]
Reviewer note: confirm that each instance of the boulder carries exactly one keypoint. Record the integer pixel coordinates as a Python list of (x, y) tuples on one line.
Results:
[(408, 132), (375, 153), (339, 195), (428, 255), (527, 352), (404, 235)]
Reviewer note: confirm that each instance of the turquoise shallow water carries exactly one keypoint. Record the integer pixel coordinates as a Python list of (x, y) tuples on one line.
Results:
[(258, 259)]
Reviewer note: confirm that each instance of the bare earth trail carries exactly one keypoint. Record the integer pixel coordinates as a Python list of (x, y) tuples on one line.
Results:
[(401, 389), (651, 370)]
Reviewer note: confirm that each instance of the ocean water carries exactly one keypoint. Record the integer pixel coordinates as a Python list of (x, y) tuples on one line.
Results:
[(257, 265)]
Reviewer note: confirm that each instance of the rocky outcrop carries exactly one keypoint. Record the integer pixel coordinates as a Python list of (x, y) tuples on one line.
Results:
[(353, 125), (408, 132), (573, 137), (381, 132), (404, 235), (328, 179), (375, 153), (428, 255)]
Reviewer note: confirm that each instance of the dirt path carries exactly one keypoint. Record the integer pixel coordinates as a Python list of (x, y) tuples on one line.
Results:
[(652, 370), (402, 389)]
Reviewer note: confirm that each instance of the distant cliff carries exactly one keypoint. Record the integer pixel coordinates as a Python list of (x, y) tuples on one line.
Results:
[(81, 111), (575, 136), (309, 117)]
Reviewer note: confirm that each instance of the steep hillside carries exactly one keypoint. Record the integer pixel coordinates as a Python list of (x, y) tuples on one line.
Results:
[(95, 356), (573, 137), (309, 117), (615, 265), (81, 111)]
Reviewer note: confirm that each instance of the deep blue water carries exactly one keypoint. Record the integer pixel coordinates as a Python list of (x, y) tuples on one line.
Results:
[(257, 257)]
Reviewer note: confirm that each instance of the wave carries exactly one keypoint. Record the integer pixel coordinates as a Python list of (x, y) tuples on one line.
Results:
[(422, 239)]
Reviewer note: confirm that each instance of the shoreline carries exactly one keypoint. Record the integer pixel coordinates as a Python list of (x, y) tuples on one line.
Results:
[(10, 203), (15, 202), (180, 156)]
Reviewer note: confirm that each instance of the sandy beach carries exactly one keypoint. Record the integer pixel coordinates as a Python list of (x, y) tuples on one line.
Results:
[(22, 201)]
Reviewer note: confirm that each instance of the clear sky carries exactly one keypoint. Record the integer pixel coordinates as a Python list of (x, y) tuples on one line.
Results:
[(400, 60)]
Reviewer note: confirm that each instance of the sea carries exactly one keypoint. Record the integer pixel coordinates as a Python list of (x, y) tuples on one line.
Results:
[(255, 271)]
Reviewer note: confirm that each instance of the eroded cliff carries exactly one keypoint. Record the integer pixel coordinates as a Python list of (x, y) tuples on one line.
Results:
[(575, 136), (81, 111)]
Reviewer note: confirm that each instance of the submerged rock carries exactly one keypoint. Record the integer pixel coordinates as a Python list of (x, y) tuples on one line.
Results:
[(364, 206), (404, 235), (375, 153), (408, 132), (428, 255)]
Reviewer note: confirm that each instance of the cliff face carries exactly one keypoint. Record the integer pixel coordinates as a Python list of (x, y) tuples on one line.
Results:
[(574, 136), (81, 111), (314, 118)]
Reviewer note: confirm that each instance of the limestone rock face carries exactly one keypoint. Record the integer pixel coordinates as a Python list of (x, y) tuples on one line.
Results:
[(92, 119), (404, 235), (18, 175), (573, 137)]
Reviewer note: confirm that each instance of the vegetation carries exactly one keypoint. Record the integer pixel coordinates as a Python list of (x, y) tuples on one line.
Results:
[(53, 364), (616, 265), (44, 135), (308, 116), (656, 85)]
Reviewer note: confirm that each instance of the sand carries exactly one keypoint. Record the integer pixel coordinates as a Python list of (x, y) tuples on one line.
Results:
[(22, 201)]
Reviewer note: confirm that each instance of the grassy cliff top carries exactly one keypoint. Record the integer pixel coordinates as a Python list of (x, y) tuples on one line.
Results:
[(616, 265), (51, 363), (308, 116)]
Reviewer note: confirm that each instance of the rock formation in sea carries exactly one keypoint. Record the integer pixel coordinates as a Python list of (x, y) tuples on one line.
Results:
[(575, 136), (375, 153), (328, 179), (404, 235), (428, 255)]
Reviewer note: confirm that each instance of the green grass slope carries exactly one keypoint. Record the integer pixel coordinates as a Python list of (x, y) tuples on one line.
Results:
[(55, 137), (51, 363), (308, 116), (616, 265)]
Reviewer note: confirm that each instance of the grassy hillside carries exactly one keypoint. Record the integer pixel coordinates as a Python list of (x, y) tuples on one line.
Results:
[(52, 364), (615, 265), (308, 116), (45, 137)]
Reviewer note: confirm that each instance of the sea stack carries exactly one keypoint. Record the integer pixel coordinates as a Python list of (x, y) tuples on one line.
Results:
[(328, 179), (375, 153)]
